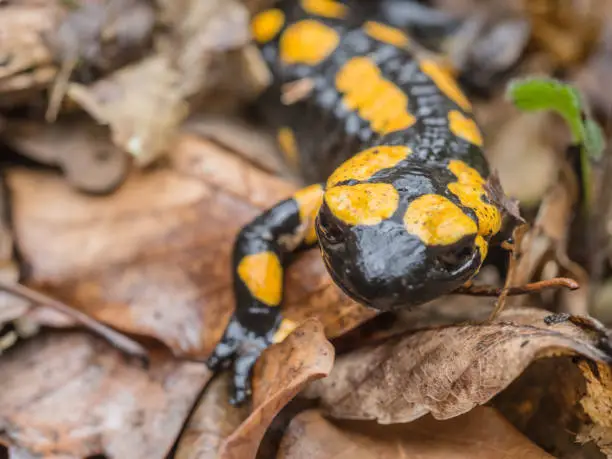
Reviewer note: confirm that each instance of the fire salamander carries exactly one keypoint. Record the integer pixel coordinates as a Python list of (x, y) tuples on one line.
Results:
[(399, 208)]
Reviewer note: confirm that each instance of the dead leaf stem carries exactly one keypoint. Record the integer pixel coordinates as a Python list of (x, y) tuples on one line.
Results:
[(487, 290), (122, 342)]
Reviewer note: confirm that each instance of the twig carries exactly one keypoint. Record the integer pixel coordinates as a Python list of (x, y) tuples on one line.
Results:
[(486, 290), (59, 88), (517, 238), (120, 341)]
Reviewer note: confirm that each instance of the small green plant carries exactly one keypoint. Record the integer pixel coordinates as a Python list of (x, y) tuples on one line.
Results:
[(535, 94)]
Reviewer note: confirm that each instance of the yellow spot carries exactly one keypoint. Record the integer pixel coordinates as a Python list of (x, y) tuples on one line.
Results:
[(285, 328), (288, 145), (445, 82), (386, 34), (464, 127), (262, 273), (307, 42), (362, 204), (325, 8), (469, 188), (266, 25), (376, 99), (366, 163), (437, 221), (309, 202)]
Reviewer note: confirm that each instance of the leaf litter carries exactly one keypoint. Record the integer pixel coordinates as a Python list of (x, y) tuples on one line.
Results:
[(146, 250)]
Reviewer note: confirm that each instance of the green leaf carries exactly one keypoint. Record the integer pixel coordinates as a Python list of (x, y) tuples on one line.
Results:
[(535, 94)]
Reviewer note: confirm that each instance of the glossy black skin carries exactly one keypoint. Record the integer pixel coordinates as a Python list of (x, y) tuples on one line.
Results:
[(385, 267), (253, 324), (381, 266)]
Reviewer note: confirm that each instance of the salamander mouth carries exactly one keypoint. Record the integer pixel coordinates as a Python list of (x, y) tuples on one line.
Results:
[(456, 262)]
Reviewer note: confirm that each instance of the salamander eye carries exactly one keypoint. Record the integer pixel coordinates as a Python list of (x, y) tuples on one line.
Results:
[(452, 259), (329, 229)]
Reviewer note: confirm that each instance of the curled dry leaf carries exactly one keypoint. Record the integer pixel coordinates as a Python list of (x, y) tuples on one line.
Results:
[(144, 103), (448, 371), (80, 148), (280, 374), (82, 398), (164, 238), (479, 434), (140, 103)]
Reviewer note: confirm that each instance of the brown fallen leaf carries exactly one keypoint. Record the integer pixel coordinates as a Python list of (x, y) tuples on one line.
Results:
[(280, 374), (22, 27), (213, 420), (201, 32), (566, 31), (480, 434), (96, 38), (448, 371), (185, 64), (79, 147), (521, 149), (126, 100), (597, 404), (238, 136), (71, 395), (544, 248), (13, 310), (103, 36), (164, 238)]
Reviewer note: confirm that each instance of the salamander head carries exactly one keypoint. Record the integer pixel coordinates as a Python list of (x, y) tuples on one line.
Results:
[(388, 252)]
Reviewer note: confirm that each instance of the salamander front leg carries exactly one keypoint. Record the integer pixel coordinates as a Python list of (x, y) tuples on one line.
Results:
[(259, 259)]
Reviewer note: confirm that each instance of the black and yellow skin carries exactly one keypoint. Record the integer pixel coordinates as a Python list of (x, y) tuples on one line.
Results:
[(399, 208)]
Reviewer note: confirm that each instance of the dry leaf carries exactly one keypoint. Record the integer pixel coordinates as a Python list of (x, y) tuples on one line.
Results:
[(597, 404), (202, 31), (141, 104), (164, 238), (522, 152), (103, 36), (213, 420), (240, 137), (279, 375), (544, 247), (80, 148), (566, 31), (144, 103), (22, 48), (73, 396), (448, 371), (479, 434), (13, 323)]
